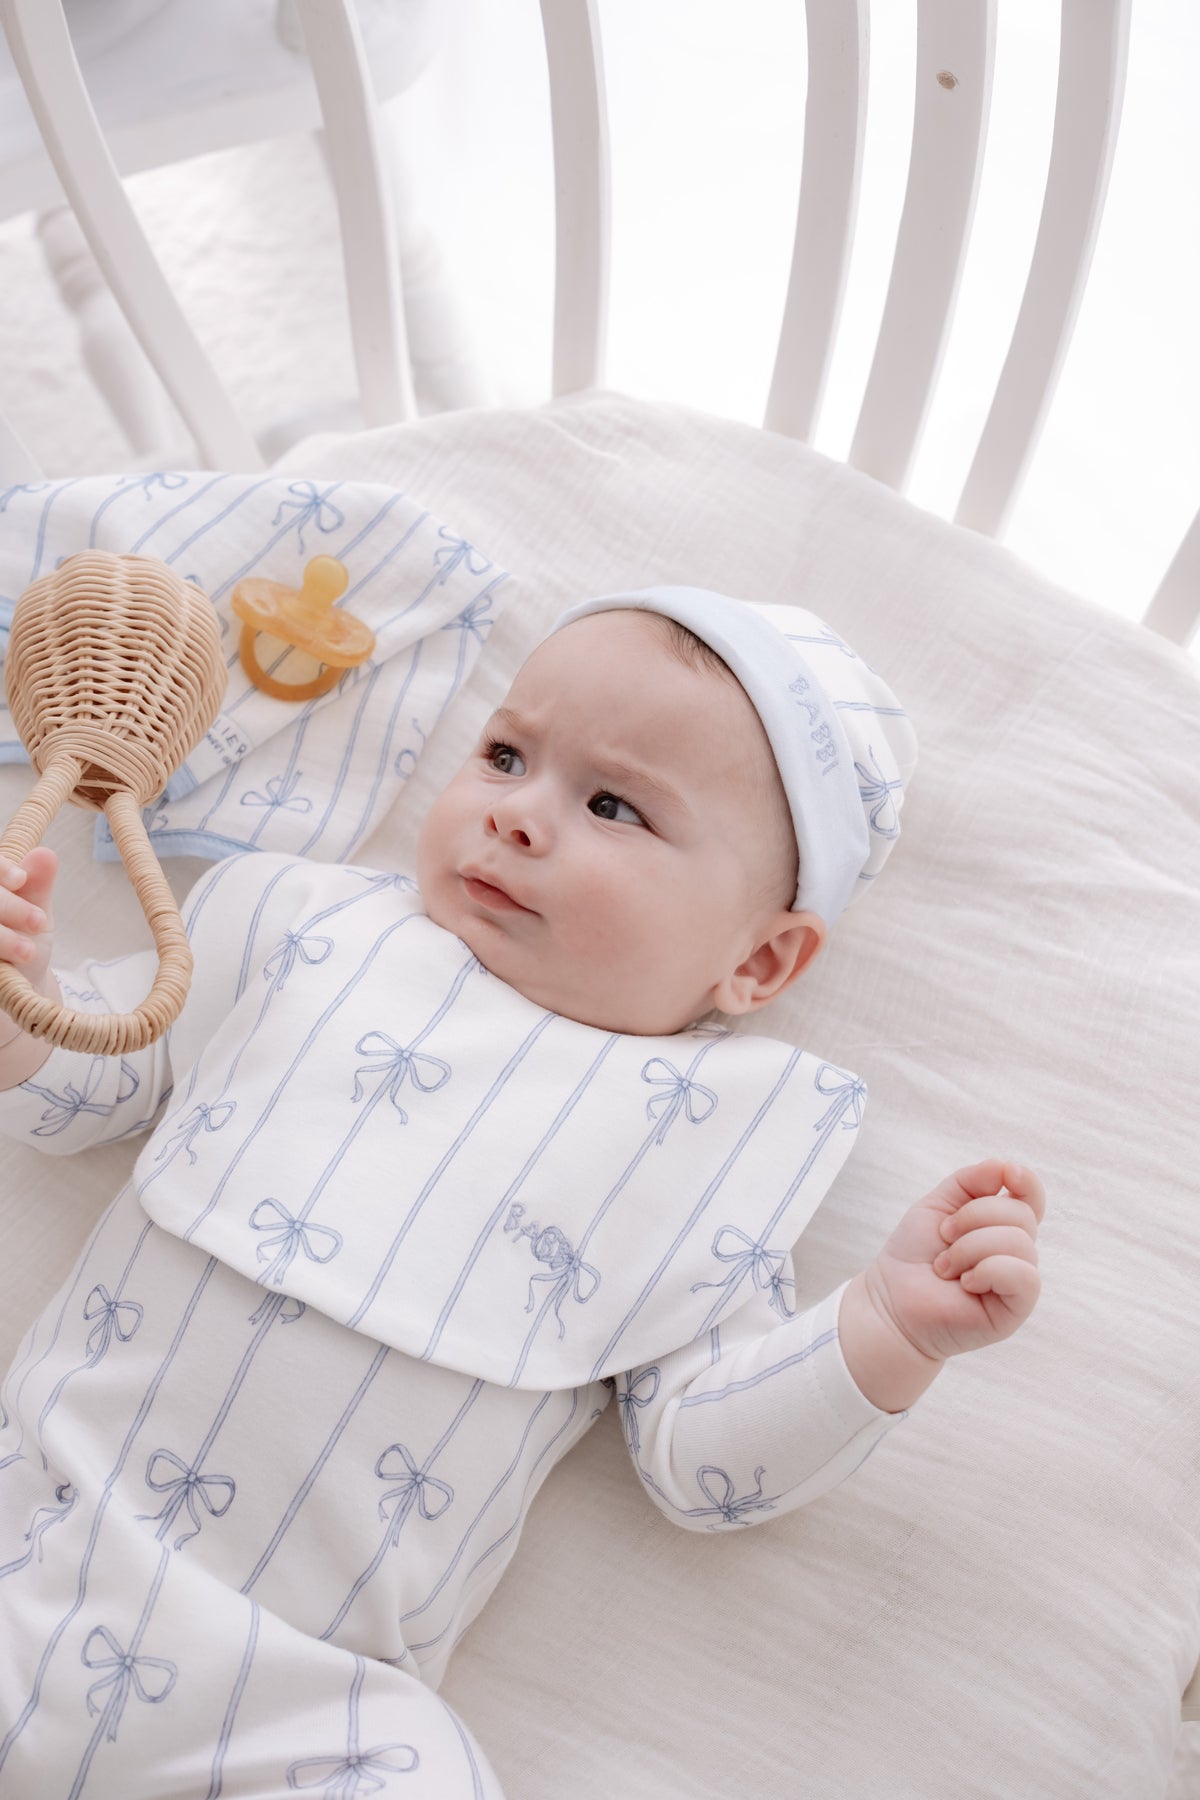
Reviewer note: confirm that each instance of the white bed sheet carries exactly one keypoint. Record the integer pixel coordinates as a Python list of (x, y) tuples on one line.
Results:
[(1005, 1601)]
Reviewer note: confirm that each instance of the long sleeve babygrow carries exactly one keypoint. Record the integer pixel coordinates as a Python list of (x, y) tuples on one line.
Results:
[(395, 1237)]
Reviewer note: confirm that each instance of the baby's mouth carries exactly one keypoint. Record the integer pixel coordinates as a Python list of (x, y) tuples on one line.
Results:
[(485, 893)]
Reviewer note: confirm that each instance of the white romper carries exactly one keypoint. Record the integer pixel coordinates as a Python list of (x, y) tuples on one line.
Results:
[(395, 1237)]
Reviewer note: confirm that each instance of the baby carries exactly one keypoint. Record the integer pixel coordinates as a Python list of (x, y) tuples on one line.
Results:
[(434, 1168)]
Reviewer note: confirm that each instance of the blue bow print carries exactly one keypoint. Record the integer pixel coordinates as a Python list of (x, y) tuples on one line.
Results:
[(295, 944), (400, 1062), (765, 1265), (157, 479), (847, 1093), (107, 1312), (201, 1118), (731, 1510), (358, 1772), (876, 791), (290, 1234), (474, 619), (280, 795), (186, 1487), (454, 551), (631, 1399), (310, 506), (678, 1097), (127, 1672), (411, 1488), (565, 1268), (65, 1106)]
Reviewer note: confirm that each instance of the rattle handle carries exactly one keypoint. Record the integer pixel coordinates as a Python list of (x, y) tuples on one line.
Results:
[(104, 1034)]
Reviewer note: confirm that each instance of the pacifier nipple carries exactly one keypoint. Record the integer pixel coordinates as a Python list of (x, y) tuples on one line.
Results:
[(306, 618), (325, 580)]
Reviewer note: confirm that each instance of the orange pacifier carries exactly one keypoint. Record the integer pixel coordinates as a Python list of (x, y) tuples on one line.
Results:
[(307, 618)]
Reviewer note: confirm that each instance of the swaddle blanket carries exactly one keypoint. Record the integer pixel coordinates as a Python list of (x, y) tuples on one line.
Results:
[(365, 1119), (313, 777)]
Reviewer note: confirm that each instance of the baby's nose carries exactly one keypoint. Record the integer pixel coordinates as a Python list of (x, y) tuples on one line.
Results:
[(517, 822)]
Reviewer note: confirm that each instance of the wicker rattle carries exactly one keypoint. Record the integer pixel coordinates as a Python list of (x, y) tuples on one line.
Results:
[(306, 617), (114, 672)]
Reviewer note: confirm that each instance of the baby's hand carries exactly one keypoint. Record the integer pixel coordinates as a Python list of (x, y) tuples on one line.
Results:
[(26, 920), (960, 1270)]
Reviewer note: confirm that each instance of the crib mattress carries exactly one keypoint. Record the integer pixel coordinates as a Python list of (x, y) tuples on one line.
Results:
[(1006, 1599)]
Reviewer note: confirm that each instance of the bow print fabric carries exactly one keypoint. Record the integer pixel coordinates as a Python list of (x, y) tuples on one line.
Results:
[(310, 777)]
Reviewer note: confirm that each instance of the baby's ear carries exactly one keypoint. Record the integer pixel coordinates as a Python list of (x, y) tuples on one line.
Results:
[(791, 942)]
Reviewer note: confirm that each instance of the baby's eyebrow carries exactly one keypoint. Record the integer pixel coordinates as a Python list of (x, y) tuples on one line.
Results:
[(507, 720), (629, 775)]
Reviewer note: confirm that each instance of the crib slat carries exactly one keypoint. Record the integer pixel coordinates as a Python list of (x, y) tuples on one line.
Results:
[(1175, 609), (835, 117), (955, 55), (335, 51), (41, 49), (579, 124), (1093, 56)]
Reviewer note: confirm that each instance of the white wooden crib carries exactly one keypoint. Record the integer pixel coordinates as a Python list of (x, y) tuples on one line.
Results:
[(1005, 1601)]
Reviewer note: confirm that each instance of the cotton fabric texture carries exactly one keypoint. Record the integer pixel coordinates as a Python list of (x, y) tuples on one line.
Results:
[(844, 746), (312, 777), (1003, 1600), (394, 1229)]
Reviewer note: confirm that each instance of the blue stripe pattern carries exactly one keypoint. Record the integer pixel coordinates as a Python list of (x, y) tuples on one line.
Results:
[(311, 778)]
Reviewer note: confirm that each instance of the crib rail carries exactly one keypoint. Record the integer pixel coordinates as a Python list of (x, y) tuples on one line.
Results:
[(1093, 57), (582, 201), (956, 48), (835, 122), (954, 64)]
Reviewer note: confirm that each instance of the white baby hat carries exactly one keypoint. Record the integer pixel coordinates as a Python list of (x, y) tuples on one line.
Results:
[(844, 746)]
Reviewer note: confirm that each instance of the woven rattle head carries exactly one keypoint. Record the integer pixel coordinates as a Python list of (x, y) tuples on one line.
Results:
[(114, 673), (115, 660)]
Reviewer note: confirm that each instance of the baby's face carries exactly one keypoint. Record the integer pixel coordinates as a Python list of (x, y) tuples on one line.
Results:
[(606, 847)]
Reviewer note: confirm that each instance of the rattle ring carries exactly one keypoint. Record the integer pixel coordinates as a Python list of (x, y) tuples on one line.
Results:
[(306, 617)]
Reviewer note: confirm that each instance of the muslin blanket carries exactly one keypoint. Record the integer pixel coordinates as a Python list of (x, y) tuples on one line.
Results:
[(311, 778)]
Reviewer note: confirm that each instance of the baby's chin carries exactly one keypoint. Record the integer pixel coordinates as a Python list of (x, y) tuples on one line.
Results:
[(528, 973)]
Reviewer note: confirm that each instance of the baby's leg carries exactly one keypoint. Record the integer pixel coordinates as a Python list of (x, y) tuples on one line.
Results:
[(316, 1719), (178, 1688), (127, 1667)]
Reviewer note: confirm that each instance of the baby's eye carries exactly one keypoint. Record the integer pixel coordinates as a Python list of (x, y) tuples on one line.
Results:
[(504, 757), (608, 806)]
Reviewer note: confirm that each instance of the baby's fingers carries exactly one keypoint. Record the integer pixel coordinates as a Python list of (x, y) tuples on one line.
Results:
[(989, 1242), (33, 877), (994, 1176), (22, 919), (1013, 1282), (991, 1209)]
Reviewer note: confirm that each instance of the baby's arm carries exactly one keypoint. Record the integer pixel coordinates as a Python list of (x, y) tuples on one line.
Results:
[(59, 1100), (766, 1413), (757, 1417)]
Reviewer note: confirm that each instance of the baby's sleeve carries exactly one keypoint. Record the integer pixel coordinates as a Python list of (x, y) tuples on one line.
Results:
[(757, 1417), (77, 1099)]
